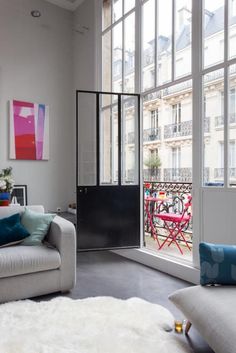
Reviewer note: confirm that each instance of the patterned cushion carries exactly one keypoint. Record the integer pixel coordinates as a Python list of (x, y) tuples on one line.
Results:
[(217, 264)]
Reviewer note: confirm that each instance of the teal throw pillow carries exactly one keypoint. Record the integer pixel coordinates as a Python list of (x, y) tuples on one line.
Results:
[(37, 225), (11, 230), (217, 264)]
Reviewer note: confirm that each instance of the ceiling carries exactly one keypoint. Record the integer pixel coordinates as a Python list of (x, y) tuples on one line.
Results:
[(67, 4)]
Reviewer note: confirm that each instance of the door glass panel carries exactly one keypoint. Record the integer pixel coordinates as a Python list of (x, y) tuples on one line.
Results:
[(109, 145), (86, 139), (117, 67), (232, 127), (213, 32), (164, 45), (129, 148), (183, 33), (213, 153), (106, 66), (148, 45)]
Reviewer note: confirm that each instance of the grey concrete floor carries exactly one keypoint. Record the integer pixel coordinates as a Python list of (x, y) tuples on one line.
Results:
[(104, 273)]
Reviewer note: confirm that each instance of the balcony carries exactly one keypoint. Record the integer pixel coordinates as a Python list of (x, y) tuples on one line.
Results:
[(219, 173), (153, 134), (219, 120), (178, 174), (183, 129), (156, 231)]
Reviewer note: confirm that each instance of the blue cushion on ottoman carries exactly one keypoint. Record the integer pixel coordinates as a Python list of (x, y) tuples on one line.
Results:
[(217, 264), (11, 230)]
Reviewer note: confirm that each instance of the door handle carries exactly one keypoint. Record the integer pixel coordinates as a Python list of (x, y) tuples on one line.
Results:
[(83, 191)]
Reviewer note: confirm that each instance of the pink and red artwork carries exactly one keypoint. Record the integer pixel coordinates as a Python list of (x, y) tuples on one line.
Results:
[(29, 131)]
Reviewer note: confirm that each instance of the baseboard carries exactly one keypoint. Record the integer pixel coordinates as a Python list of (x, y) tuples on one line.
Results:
[(171, 266)]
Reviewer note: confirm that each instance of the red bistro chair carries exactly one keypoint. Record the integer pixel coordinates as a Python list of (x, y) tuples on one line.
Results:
[(175, 224)]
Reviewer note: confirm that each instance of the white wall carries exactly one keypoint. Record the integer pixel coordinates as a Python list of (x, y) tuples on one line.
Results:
[(36, 66), (85, 46)]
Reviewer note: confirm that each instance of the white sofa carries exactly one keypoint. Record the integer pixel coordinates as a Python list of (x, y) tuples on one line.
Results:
[(29, 271), (212, 310)]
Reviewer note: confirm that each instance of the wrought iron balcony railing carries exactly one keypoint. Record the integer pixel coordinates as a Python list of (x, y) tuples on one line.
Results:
[(219, 173), (183, 129), (152, 134), (177, 130), (178, 174), (152, 174), (219, 120)]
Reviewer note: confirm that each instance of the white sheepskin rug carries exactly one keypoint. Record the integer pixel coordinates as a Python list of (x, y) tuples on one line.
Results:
[(93, 325)]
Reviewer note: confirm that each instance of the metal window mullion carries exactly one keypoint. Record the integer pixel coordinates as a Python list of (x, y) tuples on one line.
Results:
[(98, 130), (197, 124), (226, 89), (156, 45), (173, 42), (138, 47), (119, 140), (123, 53)]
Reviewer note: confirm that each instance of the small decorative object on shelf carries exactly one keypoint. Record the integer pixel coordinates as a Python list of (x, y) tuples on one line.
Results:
[(6, 186), (72, 208)]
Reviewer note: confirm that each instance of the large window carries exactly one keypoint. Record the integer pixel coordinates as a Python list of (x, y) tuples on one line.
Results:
[(218, 76), (118, 51)]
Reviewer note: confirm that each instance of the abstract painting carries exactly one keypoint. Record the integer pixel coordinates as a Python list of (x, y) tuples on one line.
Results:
[(29, 131)]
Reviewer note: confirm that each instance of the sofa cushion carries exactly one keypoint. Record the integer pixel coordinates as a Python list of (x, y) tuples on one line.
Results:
[(212, 311), (11, 230), (37, 224), (6, 211), (17, 260), (218, 263)]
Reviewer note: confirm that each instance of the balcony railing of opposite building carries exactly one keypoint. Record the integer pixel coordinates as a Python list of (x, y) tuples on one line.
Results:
[(153, 134), (219, 173), (152, 174), (219, 120), (178, 174), (183, 129)]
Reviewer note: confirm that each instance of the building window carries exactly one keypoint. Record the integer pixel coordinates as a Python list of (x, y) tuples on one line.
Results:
[(176, 157), (154, 119)]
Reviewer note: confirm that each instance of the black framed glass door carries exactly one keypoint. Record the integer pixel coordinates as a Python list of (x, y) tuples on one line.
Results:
[(108, 170)]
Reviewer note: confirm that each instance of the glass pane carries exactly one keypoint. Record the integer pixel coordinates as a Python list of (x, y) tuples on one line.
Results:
[(129, 141), (108, 146), (183, 32), (129, 4), (213, 32), (129, 48), (167, 134), (117, 59), (232, 126), (213, 154), (106, 13), (148, 45), (232, 28), (117, 10), (86, 139), (106, 66), (164, 46)]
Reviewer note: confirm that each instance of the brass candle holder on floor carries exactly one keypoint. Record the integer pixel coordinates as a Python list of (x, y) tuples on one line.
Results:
[(178, 326)]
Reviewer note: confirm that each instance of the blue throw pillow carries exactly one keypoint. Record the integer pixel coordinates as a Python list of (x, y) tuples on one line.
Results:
[(37, 225), (217, 264), (11, 230)]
